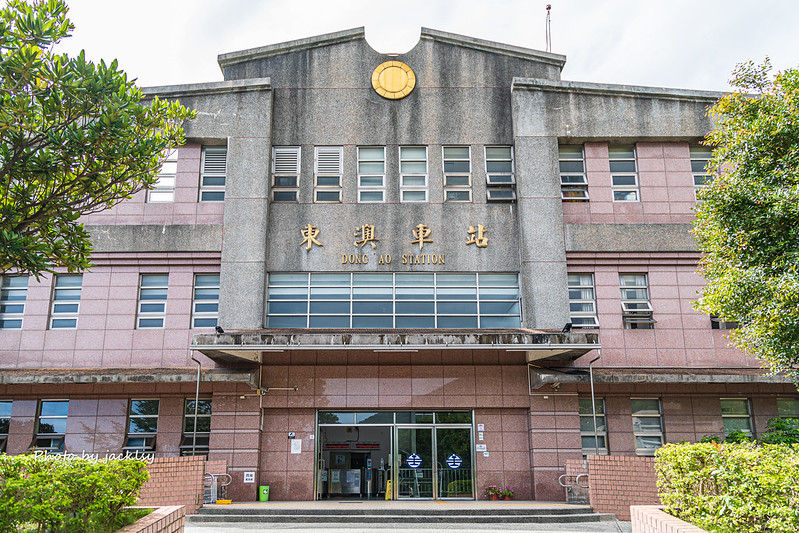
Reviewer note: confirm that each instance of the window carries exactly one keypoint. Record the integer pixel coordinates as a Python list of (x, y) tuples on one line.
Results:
[(13, 292), (582, 302), (214, 170), (573, 183), (205, 306), (5, 422), (152, 300), (623, 174), (590, 444), (788, 407), (635, 307), (399, 300), (501, 185), (457, 174), (203, 428), (717, 323), (142, 425), (164, 188), (371, 174), (52, 426), (700, 156), (66, 300), (736, 415), (285, 173), (413, 173), (328, 168), (647, 425)]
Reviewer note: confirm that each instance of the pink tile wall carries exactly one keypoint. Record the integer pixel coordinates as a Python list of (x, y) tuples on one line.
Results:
[(106, 334), (681, 337), (665, 181), (184, 210)]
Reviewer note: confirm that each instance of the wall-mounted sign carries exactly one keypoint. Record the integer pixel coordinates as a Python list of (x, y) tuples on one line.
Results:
[(393, 80), (296, 446), (480, 447), (481, 427), (249, 477), (414, 461), (291, 434), (454, 461)]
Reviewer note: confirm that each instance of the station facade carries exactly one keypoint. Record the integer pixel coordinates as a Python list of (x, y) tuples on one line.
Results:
[(410, 262)]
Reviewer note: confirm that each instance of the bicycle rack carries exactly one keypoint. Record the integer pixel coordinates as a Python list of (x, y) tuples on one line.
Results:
[(214, 486), (576, 486)]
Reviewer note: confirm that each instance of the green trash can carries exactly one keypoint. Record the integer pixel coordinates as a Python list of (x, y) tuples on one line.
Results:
[(263, 493)]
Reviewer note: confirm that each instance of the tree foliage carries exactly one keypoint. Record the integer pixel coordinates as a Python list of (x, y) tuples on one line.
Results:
[(747, 221), (75, 138)]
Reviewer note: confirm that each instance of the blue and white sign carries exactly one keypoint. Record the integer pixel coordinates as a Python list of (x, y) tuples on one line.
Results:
[(454, 461), (414, 461)]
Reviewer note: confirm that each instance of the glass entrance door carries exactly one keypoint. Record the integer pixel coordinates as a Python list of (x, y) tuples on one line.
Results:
[(415, 463), (454, 462)]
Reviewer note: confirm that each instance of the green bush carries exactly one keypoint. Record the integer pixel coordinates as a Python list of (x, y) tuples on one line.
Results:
[(731, 487), (782, 431), (57, 494)]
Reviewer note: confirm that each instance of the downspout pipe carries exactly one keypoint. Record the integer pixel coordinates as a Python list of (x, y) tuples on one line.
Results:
[(593, 399), (196, 407)]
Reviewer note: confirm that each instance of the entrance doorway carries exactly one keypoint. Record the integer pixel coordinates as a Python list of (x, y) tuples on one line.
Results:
[(410, 455)]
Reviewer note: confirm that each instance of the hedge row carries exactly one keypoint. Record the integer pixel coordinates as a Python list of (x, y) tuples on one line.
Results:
[(731, 487), (57, 494)]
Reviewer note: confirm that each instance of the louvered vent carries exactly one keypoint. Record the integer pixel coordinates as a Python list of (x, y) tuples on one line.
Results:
[(286, 160), (215, 162), (328, 160)]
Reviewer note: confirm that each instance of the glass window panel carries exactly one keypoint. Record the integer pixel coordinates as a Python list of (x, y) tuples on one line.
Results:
[(588, 442), (284, 196), (64, 323), (372, 293), (330, 293), (288, 293), (283, 308), (412, 417), (411, 322), (451, 280), (646, 424), (622, 166), (203, 425), (384, 417), (500, 322), (456, 152), (498, 294), (12, 296), (735, 407), (583, 307), (153, 294), (372, 308), (203, 407), (370, 196), (457, 322), (413, 152), (204, 322), (646, 406), (621, 152), (575, 167), (10, 324), (15, 281), (413, 280), (328, 417), (498, 152), (66, 294), (285, 181), (214, 181), (585, 406), (330, 321), (372, 280), (459, 167), (502, 167), (507, 280), (12, 308), (58, 408), (455, 417), (144, 407), (53, 425), (417, 293), (330, 308), (587, 423), (152, 308), (456, 308), (499, 308), (143, 425), (648, 442), (151, 322), (206, 294), (4, 423), (624, 180), (328, 196), (458, 196), (370, 167), (462, 293), (366, 153), (456, 181), (741, 423), (65, 308), (328, 181), (208, 196), (151, 280), (415, 308), (788, 407), (625, 196), (5, 409), (413, 167), (372, 321), (287, 322), (339, 280), (290, 279), (69, 281)]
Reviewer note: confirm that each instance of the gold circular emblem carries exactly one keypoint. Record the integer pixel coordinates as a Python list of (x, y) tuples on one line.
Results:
[(393, 80)]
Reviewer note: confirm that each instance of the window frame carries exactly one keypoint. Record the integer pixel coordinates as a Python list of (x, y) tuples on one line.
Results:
[(701, 179), (500, 191), (637, 313), (7, 290), (567, 185), (203, 437), (5, 422), (647, 452), (212, 191), (324, 171), (162, 186), (281, 170), (748, 416), (55, 314), (56, 438), (601, 435), (624, 188), (204, 315), (592, 317), (364, 189), (151, 315), (148, 437), (457, 188), (793, 400), (424, 175)]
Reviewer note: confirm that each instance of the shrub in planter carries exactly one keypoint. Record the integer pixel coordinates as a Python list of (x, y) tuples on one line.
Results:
[(741, 487), (460, 488), (54, 493)]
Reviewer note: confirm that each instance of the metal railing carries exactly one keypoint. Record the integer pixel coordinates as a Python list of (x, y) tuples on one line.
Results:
[(215, 487)]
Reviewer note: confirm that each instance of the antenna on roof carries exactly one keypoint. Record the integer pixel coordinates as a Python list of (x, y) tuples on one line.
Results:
[(549, 30)]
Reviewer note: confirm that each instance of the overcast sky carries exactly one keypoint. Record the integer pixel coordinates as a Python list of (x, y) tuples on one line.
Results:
[(692, 44)]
